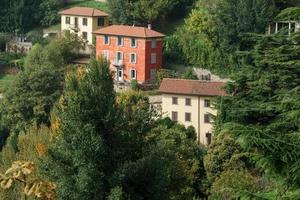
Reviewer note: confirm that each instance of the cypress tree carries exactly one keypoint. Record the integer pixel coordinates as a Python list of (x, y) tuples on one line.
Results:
[(77, 160)]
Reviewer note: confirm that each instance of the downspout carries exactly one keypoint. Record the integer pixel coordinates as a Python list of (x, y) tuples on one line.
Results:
[(199, 141)]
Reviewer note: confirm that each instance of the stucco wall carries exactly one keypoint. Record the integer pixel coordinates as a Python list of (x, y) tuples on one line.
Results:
[(143, 56), (197, 110), (91, 25)]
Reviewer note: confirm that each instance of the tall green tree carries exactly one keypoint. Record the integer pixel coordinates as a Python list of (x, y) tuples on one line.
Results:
[(81, 152), (218, 37), (263, 111), (111, 147)]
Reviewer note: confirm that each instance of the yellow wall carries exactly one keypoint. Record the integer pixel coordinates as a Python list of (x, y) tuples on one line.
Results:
[(91, 26), (196, 109)]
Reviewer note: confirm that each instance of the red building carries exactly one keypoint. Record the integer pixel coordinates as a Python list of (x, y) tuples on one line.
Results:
[(133, 52)]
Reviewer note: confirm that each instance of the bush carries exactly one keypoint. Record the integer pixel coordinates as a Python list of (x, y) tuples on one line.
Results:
[(172, 50), (134, 85), (189, 73), (233, 183)]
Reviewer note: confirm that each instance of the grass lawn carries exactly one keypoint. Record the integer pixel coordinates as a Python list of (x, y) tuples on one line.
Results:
[(55, 27), (5, 81), (90, 3)]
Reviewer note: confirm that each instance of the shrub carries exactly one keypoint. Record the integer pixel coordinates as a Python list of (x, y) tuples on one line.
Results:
[(134, 85)]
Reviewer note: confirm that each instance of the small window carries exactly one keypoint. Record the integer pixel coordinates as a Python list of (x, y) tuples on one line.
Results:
[(153, 43), (187, 101), (120, 41), (106, 39), (188, 117), (208, 138), (174, 116), (174, 100), (153, 58), (206, 103), (133, 74), (100, 21), (68, 20), (76, 21), (206, 118), (133, 42), (84, 21), (133, 58), (84, 35), (119, 56)]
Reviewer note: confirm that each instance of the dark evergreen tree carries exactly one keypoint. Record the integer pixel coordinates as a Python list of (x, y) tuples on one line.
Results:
[(262, 110)]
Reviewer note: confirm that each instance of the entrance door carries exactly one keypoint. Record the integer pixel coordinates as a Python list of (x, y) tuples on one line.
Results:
[(120, 75)]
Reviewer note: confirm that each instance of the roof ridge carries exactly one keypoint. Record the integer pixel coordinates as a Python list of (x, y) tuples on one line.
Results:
[(191, 80)]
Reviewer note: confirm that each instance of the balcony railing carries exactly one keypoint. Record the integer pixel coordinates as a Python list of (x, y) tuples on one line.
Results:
[(118, 63), (74, 27)]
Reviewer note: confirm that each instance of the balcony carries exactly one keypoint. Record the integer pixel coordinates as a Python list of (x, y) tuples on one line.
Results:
[(74, 27), (118, 63)]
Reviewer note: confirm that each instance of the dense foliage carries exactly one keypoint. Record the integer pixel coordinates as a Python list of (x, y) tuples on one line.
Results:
[(39, 85), (107, 146), (263, 111), (145, 12), (20, 16), (216, 32)]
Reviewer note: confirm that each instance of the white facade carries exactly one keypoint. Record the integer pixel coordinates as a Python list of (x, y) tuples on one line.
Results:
[(197, 111)]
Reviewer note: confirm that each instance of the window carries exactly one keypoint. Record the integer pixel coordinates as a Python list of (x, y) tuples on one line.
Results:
[(120, 41), (153, 58), (106, 39), (76, 21), (119, 56), (188, 117), (133, 74), (133, 42), (100, 21), (133, 58), (206, 118), (174, 116), (153, 43), (174, 100), (206, 103), (105, 54), (84, 35), (208, 138), (187, 101), (84, 22), (68, 20)]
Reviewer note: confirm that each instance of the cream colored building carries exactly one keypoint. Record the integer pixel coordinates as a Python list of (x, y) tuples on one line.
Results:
[(83, 21), (189, 103)]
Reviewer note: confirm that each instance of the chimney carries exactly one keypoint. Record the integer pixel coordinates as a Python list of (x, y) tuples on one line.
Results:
[(149, 26)]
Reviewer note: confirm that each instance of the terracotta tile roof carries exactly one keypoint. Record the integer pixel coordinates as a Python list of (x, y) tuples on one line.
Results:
[(84, 11), (131, 31), (192, 87)]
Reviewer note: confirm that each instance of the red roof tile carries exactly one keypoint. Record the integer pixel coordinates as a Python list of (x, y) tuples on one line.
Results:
[(131, 31), (84, 11), (192, 87)]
